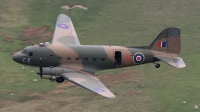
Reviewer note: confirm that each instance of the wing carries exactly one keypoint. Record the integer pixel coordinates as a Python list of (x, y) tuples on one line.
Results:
[(172, 60), (64, 31), (89, 82)]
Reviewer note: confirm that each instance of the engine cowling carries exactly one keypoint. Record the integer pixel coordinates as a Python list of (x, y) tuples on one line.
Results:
[(52, 73), (55, 71)]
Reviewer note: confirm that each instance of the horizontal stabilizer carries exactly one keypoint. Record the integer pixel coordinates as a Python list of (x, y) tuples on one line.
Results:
[(173, 61)]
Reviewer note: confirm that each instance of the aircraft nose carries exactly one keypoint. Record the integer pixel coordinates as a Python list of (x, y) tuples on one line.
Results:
[(16, 57)]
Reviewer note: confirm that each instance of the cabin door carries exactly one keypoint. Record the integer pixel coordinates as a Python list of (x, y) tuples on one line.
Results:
[(118, 58)]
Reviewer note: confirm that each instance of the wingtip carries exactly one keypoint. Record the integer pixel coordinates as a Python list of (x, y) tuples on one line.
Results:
[(62, 18), (181, 63), (107, 94), (62, 15), (112, 96)]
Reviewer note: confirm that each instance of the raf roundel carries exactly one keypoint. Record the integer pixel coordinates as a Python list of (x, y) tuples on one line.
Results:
[(138, 58), (98, 90), (63, 26)]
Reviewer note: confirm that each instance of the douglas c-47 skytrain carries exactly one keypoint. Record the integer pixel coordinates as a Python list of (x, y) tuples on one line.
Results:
[(67, 59)]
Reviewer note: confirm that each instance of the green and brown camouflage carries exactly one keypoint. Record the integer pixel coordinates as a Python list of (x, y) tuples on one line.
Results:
[(66, 59)]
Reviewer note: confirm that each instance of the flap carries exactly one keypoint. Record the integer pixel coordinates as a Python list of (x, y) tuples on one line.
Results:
[(89, 82)]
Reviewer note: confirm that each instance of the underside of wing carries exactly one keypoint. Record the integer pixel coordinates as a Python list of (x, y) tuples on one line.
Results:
[(64, 31), (172, 60), (89, 82)]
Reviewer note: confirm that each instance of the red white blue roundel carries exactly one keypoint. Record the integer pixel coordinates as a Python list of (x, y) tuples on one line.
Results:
[(138, 58), (98, 90), (63, 26)]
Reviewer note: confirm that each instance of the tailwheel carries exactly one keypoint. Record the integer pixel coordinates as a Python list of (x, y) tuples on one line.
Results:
[(60, 79), (157, 65)]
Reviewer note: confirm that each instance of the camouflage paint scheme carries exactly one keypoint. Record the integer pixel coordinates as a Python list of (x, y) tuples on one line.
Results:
[(65, 58)]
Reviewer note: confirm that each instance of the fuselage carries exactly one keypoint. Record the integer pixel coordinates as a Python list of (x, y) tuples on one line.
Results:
[(90, 58)]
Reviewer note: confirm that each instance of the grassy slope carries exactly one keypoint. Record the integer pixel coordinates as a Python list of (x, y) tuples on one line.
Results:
[(129, 23)]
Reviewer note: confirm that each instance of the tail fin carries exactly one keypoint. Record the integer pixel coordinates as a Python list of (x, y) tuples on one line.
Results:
[(167, 41), (167, 46)]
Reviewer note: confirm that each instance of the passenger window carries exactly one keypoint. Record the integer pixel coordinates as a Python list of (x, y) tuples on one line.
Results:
[(86, 59), (94, 59), (68, 58), (102, 59)]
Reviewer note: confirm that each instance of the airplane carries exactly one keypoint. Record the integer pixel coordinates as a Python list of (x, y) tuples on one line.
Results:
[(66, 59)]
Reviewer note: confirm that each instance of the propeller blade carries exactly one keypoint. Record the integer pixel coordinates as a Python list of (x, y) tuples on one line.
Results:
[(41, 70)]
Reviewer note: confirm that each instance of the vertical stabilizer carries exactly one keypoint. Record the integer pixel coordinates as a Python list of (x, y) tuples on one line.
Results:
[(167, 46), (167, 41)]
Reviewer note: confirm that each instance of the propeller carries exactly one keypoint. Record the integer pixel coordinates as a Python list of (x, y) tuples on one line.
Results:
[(41, 70)]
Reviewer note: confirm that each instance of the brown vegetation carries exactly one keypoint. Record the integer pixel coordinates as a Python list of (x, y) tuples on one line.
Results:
[(128, 76), (8, 39), (132, 92), (56, 91), (60, 87), (30, 33), (38, 96)]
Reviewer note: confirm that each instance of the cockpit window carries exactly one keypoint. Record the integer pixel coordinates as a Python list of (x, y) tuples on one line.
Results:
[(27, 53), (30, 54)]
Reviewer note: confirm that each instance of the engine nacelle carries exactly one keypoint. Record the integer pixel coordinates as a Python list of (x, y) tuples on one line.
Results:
[(53, 73)]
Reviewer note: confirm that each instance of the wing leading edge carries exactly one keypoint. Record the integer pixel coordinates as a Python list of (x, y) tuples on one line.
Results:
[(64, 31), (89, 82)]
